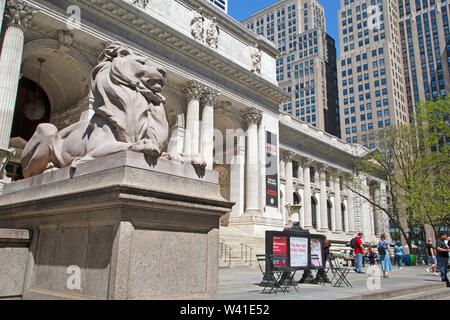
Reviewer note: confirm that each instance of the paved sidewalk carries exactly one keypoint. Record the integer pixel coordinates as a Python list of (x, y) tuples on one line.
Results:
[(242, 284)]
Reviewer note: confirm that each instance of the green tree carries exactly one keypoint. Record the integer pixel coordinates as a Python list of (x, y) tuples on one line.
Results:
[(414, 160)]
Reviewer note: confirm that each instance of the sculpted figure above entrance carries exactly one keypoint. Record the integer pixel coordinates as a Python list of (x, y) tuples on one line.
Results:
[(129, 116)]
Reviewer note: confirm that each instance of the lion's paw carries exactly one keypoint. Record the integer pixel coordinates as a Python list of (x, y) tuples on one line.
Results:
[(147, 146), (198, 161)]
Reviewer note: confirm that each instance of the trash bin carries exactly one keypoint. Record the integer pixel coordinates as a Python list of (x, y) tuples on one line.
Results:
[(408, 260), (413, 259)]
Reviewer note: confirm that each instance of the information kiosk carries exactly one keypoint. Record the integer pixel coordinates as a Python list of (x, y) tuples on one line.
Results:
[(303, 250)]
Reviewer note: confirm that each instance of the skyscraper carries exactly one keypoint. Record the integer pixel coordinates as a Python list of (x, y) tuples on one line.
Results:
[(372, 92), (306, 67), (425, 39)]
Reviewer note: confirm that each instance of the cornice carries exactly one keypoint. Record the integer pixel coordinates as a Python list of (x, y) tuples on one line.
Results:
[(235, 27), (142, 25), (306, 139)]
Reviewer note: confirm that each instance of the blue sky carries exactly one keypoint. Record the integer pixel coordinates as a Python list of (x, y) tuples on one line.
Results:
[(242, 9)]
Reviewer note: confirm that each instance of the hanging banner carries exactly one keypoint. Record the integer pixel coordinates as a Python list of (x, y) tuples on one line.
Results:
[(271, 170)]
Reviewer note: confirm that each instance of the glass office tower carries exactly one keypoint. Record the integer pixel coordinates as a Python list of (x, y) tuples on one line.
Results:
[(372, 92), (306, 67)]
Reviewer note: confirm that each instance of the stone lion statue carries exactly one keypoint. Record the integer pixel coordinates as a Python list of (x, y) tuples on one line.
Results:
[(129, 116)]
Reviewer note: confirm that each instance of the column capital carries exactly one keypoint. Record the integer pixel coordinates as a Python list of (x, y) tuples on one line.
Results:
[(19, 13), (306, 162), (209, 96), (347, 175), (193, 90), (322, 167), (289, 155), (336, 173), (5, 155), (252, 116)]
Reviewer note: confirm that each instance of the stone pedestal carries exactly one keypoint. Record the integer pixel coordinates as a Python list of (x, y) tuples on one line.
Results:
[(13, 257), (121, 227)]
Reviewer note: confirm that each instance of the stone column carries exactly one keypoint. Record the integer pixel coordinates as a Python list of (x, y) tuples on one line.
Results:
[(323, 197), (316, 177), (207, 132), (345, 227), (288, 157), (18, 15), (337, 202), (176, 140), (306, 163), (376, 211), (351, 206), (191, 137), (237, 177), (366, 208), (252, 117), (300, 171), (384, 218), (282, 168)]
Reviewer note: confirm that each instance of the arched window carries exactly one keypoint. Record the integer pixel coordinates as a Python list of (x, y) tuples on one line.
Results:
[(296, 198), (330, 215), (343, 217), (314, 212)]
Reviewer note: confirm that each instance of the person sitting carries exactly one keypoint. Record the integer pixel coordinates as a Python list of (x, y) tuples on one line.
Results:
[(347, 257), (371, 255)]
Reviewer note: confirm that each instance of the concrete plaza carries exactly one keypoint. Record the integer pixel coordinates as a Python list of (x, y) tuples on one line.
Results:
[(409, 283)]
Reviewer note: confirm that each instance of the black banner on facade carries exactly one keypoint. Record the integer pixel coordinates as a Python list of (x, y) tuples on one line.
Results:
[(271, 170)]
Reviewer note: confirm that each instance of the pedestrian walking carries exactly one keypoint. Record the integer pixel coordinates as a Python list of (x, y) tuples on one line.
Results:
[(431, 252), (442, 251), (399, 254), (359, 252), (384, 252)]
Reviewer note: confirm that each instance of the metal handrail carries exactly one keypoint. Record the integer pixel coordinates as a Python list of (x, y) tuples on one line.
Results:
[(225, 251), (246, 253)]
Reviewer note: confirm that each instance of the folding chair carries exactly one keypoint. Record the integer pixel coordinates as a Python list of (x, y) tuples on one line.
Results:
[(339, 274), (321, 279), (284, 275), (268, 277)]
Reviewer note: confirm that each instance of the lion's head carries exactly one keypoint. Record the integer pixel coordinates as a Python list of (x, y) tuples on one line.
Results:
[(127, 88)]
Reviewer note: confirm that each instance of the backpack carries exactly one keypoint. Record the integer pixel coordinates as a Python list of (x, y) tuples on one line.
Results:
[(353, 243), (381, 250)]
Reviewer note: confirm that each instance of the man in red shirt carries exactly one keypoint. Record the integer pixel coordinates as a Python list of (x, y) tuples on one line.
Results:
[(359, 251)]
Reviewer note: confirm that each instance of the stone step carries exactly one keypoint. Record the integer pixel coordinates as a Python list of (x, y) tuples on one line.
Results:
[(428, 295), (397, 293)]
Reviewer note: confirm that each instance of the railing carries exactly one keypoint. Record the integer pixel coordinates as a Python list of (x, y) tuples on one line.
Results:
[(225, 251), (246, 253)]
